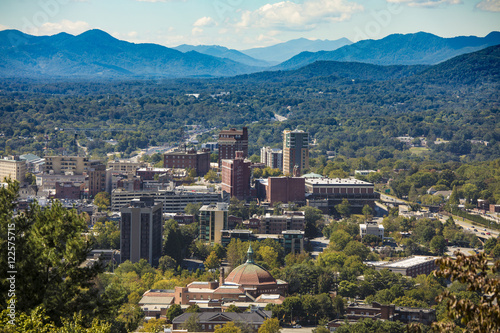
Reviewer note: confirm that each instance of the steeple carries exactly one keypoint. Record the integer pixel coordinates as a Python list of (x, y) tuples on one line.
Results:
[(250, 255)]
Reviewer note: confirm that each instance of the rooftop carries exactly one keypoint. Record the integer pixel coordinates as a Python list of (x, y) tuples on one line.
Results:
[(336, 181)]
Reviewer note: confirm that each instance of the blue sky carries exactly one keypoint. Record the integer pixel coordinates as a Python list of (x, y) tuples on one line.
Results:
[(243, 24)]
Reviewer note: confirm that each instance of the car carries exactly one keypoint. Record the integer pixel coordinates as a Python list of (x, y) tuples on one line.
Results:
[(488, 233), (482, 233), (297, 326)]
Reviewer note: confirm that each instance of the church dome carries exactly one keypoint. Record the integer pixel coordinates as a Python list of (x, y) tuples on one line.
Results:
[(250, 274)]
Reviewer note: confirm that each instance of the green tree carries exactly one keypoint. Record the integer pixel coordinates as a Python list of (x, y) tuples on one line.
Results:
[(233, 308), (339, 239), (367, 212), (344, 208), (192, 324), (212, 262), (166, 262), (228, 327), (472, 271), (270, 325), (50, 250), (193, 308), (211, 176), (173, 311), (438, 244), (102, 200), (154, 325), (454, 197), (193, 209)]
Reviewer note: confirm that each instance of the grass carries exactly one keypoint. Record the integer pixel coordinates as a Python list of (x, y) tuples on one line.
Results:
[(419, 151)]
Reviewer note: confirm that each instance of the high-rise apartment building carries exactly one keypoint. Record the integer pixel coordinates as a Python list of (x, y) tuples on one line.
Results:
[(14, 168), (230, 141), (295, 151), (236, 176), (213, 219), (141, 231), (272, 157)]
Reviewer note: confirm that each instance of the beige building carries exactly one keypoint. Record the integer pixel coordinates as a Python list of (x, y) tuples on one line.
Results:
[(371, 228), (125, 166), (295, 151), (76, 165), (213, 219), (14, 168)]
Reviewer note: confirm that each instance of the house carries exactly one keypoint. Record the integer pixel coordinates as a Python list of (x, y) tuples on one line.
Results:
[(209, 320)]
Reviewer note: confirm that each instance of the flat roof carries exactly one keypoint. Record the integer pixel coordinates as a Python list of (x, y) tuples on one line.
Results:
[(336, 181), (403, 263)]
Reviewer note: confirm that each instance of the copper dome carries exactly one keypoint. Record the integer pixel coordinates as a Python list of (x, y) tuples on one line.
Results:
[(250, 273)]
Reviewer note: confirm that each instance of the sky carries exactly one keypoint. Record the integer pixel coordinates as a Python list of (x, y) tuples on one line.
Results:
[(244, 24)]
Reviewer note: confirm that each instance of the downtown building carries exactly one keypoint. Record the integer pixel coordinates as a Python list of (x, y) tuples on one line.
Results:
[(236, 175), (213, 219), (173, 201), (14, 168), (272, 157), (189, 159), (230, 141), (325, 193), (295, 152), (141, 231)]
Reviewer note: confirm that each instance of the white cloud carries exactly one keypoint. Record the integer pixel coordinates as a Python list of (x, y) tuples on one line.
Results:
[(196, 31), (427, 3), (3, 27), (489, 5), (205, 21), (51, 28), (301, 16)]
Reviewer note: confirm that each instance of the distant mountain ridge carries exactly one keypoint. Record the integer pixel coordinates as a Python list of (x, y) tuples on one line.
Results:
[(223, 52), (410, 49), (96, 54), (280, 52)]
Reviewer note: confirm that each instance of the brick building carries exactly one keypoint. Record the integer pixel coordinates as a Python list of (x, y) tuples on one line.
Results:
[(236, 176), (68, 190), (189, 159), (230, 141), (97, 177), (285, 189)]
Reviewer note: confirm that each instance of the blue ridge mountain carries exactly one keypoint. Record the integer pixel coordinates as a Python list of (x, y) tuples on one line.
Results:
[(409, 49), (96, 54), (280, 52), (223, 52)]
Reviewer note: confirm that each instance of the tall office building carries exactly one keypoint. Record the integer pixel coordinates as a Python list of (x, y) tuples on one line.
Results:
[(272, 157), (230, 141), (236, 176), (213, 219), (295, 151), (141, 231), (97, 177)]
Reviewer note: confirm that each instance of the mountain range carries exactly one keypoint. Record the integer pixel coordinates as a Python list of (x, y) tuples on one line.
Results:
[(411, 49), (95, 54)]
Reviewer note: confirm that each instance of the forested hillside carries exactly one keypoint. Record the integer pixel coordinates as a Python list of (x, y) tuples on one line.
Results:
[(352, 109)]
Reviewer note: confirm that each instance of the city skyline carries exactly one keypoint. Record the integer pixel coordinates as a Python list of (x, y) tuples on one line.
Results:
[(245, 24)]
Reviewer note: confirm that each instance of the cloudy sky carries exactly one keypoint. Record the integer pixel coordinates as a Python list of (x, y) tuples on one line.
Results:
[(243, 24)]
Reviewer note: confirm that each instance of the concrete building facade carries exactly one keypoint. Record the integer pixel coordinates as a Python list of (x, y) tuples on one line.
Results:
[(213, 219), (371, 228), (295, 151), (272, 157), (76, 165), (14, 168), (141, 231)]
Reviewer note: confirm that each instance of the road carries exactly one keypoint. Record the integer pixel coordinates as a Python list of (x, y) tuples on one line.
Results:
[(318, 245)]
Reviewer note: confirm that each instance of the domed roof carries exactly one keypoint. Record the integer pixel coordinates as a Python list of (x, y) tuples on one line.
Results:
[(250, 273)]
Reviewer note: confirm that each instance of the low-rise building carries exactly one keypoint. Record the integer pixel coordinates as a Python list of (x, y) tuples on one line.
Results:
[(371, 228), (209, 320), (411, 266), (189, 159), (325, 193)]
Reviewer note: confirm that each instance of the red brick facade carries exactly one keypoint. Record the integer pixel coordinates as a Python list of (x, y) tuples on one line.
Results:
[(285, 189), (191, 159)]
